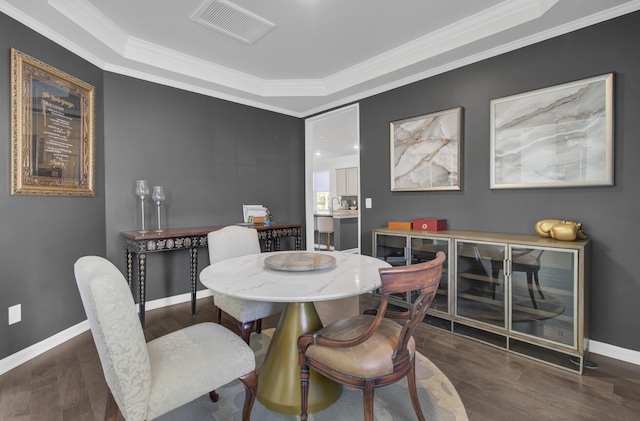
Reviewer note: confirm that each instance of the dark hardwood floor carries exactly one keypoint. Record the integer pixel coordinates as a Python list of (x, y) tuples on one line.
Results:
[(67, 383)]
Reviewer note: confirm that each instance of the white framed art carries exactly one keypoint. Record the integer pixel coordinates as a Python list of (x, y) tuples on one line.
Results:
[(561, 136), (426, 151)]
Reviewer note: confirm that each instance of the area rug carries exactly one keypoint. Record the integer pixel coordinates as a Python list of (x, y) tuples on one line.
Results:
[(438, 398)]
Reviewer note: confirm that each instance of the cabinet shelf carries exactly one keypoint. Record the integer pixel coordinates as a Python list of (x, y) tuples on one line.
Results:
[(523, 293), (537, 314), (478, 298), (548, 290), (477, 277)]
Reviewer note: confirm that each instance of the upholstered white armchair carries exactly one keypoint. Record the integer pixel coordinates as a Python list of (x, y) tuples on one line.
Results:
[(227, 243), (146, 380)]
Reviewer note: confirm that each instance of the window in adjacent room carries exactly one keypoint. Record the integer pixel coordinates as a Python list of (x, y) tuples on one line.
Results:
[(321, 189)]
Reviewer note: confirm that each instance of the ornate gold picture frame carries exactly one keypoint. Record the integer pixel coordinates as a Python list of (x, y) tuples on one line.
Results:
[(52, 130)]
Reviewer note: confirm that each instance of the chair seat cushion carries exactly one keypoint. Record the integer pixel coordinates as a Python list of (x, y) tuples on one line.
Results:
[(246, 310), (192, 362), (370, 359)]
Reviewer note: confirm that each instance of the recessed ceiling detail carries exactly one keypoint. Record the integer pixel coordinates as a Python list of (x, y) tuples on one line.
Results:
[(325, 54), (232, 20)]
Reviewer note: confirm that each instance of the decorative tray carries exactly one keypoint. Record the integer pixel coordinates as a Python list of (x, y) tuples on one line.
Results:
[(299, 261)]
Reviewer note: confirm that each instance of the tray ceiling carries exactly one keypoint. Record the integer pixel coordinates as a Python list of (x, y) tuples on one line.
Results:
[(300, 57)]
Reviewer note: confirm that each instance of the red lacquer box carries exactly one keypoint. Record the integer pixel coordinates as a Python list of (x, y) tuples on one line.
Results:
[(430, 224)]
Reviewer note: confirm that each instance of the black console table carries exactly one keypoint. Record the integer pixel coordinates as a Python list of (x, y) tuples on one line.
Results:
[(141, 243)]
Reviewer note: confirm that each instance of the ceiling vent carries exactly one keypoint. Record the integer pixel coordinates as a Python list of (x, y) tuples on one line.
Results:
[(232, 20)]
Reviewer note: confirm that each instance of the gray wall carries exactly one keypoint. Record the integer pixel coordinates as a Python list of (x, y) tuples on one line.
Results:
[(211, 156), (41, 237), (608, 214)]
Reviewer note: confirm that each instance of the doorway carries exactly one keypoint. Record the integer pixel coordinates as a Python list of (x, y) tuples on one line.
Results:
[(332, 141)]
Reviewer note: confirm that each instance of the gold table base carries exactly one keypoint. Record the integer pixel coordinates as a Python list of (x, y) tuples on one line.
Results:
[(279, 377)]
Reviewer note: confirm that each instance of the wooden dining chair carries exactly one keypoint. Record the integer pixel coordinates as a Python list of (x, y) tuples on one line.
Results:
[(227, 243), (146, 380), (377, 348)]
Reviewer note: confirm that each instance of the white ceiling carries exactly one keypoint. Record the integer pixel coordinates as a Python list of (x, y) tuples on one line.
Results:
[(335, 134), (321, 53)]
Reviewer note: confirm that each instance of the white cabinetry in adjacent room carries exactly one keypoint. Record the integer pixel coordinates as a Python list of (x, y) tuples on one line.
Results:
[(347, 181)]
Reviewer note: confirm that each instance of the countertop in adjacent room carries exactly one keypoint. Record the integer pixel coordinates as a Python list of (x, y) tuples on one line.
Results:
[(338, 213)]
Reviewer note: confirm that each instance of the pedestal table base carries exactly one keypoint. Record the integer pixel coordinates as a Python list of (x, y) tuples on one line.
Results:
[(279, 377)]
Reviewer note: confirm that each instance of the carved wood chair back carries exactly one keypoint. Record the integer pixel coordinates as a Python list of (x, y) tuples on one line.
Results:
[(376, 348)]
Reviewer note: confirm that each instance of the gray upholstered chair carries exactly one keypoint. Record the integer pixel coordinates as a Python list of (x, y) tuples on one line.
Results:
[(227, 243), (146, 380)]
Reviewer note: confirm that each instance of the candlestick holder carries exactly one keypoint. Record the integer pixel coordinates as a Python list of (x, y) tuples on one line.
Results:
[(142, 191), (158, 197)]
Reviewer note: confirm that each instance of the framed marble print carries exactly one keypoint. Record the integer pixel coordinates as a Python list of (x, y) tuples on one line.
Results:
[(561, 136), (426, 151)]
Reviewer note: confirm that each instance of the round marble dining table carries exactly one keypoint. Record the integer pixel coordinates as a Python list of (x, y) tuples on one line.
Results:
[(285, 278)]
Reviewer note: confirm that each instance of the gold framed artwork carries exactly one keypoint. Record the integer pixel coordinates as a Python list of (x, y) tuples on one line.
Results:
[(426, 151), (52, 130)]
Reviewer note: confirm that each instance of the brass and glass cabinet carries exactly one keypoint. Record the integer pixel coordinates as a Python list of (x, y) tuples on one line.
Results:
[(522, 293), (480, 293), (401, 250)]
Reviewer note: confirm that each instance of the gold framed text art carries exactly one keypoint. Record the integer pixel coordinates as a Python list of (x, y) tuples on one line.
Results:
[(52, 130)]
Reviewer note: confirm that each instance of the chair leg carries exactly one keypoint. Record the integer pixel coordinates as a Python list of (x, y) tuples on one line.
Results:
[(367, 397), (536, 279), (494, 281), (259, 326), (111, 409), (213, 395), (245, 330), (530, 288), (304, 391), (251, 387), (413, 390), (219, 316)]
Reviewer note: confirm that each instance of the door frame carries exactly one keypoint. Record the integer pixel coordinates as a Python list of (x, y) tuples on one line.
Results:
[(308, 145)]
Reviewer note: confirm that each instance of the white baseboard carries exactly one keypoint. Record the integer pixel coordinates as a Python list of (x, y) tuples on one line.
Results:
[(352, 251), (176, 299), (612, 351), (322, 247), (21, 357)]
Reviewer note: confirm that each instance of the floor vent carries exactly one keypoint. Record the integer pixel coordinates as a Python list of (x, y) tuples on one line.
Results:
[(232, 20)]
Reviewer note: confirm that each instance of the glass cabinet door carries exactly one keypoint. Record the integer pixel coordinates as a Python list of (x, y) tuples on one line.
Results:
[(425, 249), (543, 300), (392, 249), (480, 287)]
